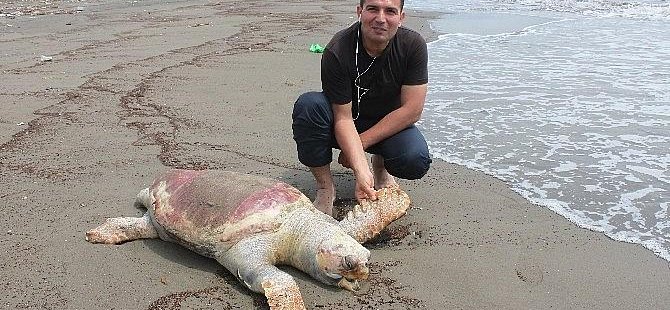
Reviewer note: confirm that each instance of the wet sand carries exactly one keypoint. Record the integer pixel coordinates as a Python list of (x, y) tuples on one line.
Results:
[(134, 88)]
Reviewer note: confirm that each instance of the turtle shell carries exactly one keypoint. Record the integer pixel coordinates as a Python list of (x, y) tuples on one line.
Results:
[(211, 210)]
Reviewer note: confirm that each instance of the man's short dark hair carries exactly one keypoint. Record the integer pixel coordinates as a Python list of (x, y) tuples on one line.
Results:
[(402, 3)]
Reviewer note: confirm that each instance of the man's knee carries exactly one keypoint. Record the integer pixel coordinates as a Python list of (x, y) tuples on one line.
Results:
[(311, 116), (312, 122), (311, 106), (409, 166)]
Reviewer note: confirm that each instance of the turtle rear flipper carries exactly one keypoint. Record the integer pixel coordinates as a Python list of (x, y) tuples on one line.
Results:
[(121, 229), (369, 218)]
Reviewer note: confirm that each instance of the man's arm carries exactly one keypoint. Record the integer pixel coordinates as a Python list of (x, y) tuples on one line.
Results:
[(350, 144), (412, 99)]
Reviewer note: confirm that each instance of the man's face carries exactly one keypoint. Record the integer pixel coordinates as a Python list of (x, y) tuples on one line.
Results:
[(380, 19)]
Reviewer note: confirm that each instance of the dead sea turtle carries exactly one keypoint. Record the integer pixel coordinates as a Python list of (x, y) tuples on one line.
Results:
[(249, 224)]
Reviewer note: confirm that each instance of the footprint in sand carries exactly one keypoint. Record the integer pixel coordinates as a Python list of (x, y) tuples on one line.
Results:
[(529, 273)]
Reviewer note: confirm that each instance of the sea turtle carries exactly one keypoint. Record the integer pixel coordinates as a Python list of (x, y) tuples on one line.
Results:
[(250, 223)]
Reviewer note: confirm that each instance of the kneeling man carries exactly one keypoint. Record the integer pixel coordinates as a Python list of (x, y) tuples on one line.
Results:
[(374, 77)]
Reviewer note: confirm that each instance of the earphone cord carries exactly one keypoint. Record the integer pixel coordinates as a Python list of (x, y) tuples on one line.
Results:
[(358, 76)]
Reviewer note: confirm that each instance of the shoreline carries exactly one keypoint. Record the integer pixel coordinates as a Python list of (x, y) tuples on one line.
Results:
[(420, 21), (134, 89)]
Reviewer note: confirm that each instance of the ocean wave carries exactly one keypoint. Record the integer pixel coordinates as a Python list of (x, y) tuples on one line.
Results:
[(651, 10), (641, 9)]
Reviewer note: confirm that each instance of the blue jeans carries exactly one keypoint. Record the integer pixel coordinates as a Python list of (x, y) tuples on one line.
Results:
[(405, 154)]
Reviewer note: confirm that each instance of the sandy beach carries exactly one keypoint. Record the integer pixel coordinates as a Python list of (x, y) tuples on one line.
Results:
[(99, 97)]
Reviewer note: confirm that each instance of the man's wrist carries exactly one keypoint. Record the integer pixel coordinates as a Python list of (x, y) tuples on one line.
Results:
[(364, 142), (359, 170)]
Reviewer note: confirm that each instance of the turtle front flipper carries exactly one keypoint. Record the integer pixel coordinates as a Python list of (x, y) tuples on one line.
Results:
[(366, 220), (252, 262), (282, 293), (121, 229)]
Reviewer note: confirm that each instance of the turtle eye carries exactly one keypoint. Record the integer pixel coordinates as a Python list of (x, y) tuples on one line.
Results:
[(350, 262)]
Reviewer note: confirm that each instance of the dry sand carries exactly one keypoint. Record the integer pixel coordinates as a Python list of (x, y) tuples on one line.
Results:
[(135, 87)]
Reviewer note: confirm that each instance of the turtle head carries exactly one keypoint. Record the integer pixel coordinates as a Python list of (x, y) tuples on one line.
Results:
[(343, 260)]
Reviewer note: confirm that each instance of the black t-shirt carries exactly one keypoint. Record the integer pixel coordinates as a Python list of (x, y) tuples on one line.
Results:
[(403, 62)]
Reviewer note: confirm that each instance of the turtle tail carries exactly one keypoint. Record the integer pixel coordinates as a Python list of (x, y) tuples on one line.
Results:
[(143, 200)]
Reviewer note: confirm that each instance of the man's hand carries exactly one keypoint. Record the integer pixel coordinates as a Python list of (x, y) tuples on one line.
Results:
[(351, 145), (365, 186)]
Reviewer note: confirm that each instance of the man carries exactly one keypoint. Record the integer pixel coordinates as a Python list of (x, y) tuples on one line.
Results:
[(374, 77)]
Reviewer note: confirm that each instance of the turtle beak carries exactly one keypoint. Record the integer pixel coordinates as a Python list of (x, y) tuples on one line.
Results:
[(348, 285)]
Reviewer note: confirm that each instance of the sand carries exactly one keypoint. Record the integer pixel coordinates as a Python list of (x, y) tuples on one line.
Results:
[(136, 87)]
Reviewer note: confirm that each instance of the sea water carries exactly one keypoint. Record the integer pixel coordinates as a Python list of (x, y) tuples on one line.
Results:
[(568, 101)]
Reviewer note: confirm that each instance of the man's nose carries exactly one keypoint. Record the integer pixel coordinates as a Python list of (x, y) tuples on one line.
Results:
[(380, 17)]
